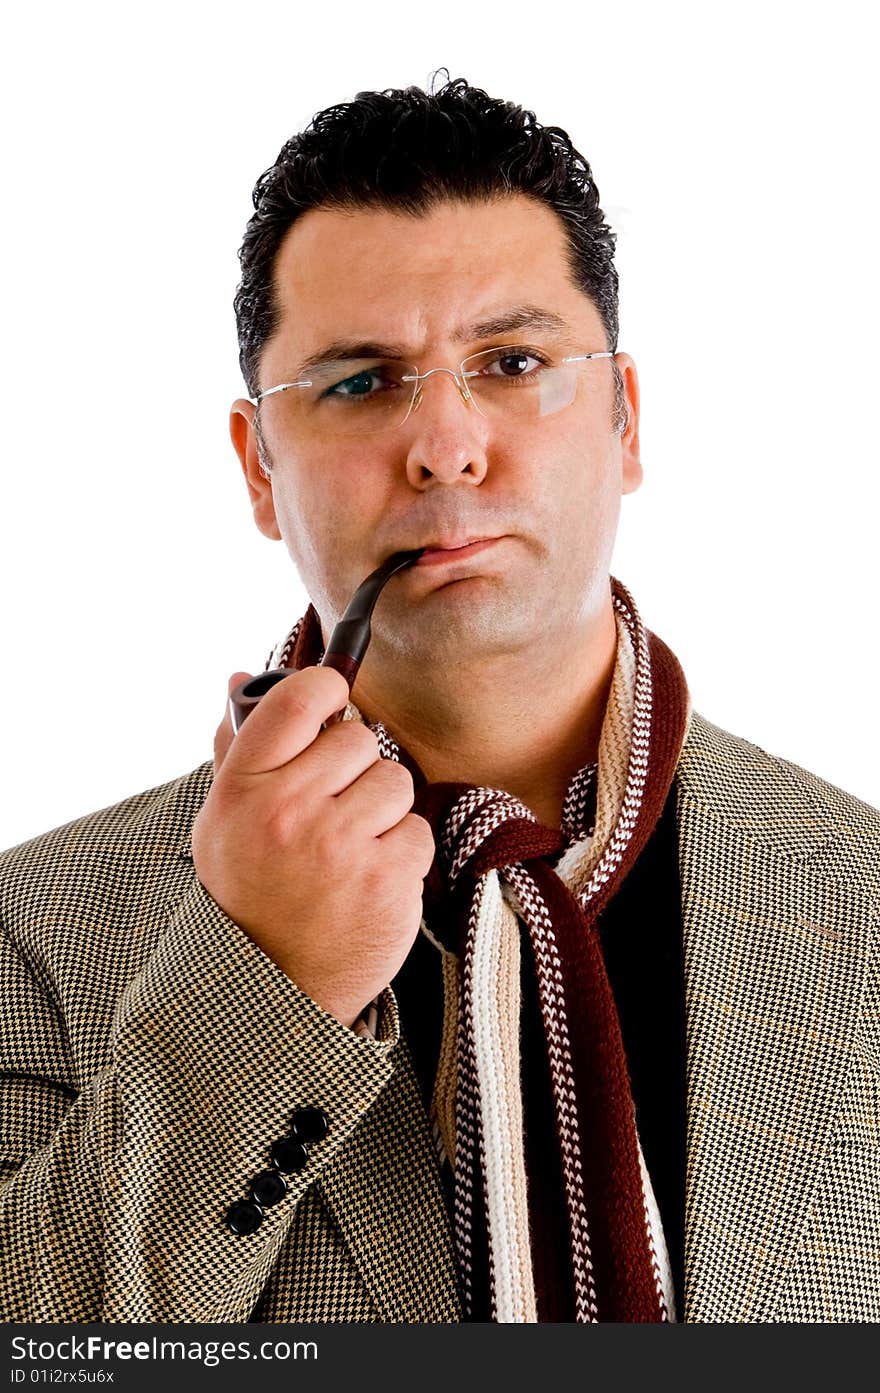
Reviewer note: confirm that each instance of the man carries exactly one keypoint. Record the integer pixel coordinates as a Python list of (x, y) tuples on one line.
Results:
[(393, 1018)]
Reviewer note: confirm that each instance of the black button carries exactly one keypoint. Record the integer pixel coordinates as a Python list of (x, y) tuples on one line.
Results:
[(289, 1154), (309, 1124), (268, 1188), (245, 1216)]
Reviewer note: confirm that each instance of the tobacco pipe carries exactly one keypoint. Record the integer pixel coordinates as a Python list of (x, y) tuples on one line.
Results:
[(345, 649)]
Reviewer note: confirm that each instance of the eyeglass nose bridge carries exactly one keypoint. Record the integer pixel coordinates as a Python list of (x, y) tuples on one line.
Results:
[(419, 377)]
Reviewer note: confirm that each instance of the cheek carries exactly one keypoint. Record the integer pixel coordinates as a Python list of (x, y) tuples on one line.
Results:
[(312, 494), (580, 498), (328, 505), (571, 477)]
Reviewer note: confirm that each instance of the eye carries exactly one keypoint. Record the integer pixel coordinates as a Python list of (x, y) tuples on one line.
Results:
[(371, 380), (360, 384), (513, 364)]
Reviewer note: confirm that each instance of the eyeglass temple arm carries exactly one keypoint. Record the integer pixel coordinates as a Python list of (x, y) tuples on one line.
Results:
[(282, 387), (582, 357)]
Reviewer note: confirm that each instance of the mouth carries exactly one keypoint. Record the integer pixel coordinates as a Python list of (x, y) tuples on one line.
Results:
[(441, 553)]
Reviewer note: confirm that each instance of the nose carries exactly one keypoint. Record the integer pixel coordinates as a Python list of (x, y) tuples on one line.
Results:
[(447, 435)]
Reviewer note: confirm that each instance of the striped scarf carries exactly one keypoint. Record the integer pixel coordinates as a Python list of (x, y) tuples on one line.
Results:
[(554, 1217)]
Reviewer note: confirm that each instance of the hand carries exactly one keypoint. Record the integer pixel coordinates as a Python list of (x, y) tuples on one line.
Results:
[(307, 842)]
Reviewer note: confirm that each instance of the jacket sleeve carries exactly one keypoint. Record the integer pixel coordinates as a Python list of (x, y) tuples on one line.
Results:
[(114, 1189)]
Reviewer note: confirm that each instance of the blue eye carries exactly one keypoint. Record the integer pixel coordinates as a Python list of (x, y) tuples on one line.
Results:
[(359, 385)]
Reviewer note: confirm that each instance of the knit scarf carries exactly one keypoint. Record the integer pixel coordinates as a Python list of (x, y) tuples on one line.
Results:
[(554, 1217)]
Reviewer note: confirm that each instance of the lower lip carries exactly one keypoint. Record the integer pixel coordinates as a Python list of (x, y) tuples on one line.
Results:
[(444, 556)]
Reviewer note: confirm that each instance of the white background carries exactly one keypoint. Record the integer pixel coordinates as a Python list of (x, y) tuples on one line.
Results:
[(735, 154)]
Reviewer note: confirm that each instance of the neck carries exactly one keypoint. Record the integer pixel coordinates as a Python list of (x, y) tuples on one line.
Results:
[(523, 722)]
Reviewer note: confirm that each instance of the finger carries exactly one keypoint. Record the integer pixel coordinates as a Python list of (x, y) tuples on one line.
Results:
[(377, 801), (413, 841), (286, 721), (336, 758), (224, 734)]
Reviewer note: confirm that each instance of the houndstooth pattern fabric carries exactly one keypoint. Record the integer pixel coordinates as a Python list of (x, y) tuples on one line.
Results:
[(151, 1053), (781, 909)]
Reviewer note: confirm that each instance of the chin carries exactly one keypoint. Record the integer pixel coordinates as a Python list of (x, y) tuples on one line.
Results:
[(450, 627)]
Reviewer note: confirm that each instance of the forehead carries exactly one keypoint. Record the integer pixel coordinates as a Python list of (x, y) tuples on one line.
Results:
[(416, 280)]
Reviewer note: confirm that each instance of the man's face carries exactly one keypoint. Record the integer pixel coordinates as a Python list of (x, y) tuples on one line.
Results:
[(436, 289)]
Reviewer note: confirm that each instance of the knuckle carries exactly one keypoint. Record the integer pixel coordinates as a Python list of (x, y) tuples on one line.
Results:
[(294, 699), (420, 839), (402, 777), (360, 738), (421, 829), (278, 828), (397, 781)]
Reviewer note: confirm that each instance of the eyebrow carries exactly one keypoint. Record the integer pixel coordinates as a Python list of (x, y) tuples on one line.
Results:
[(505, 322)]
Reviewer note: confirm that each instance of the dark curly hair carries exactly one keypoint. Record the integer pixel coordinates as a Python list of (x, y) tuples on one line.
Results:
[(408, 150)]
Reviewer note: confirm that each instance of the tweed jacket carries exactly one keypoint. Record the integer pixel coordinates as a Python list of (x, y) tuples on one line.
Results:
[(151, 1053)]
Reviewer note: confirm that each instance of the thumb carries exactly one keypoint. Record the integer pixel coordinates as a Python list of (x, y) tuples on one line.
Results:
[(224, 734)]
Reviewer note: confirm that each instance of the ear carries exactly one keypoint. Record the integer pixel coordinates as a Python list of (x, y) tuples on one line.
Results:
[(259, 483), (630, 455)]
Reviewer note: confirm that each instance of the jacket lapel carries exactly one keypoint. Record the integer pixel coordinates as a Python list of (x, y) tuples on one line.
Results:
[(385, 1194), (775, 954)]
